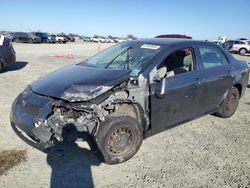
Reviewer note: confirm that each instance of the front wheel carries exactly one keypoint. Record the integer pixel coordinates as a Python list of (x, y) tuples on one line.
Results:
[(118, 139), (229, 104)]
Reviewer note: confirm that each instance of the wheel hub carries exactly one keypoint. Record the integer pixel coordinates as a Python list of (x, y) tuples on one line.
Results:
[(120, 140), (231, 102)]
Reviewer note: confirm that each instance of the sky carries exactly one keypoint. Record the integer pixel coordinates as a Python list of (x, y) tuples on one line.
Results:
[(201, 19)]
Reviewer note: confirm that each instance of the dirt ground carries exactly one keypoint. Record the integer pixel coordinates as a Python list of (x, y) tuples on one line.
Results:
[(207, 152)]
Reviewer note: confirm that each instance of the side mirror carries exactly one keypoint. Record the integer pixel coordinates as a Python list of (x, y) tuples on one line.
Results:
[(161, 88), (161, 73)]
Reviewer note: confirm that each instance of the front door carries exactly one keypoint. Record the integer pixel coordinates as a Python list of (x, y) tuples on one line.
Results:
[(182, 91)]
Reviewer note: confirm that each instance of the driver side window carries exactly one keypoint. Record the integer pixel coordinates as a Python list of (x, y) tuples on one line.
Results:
[(179, 62)]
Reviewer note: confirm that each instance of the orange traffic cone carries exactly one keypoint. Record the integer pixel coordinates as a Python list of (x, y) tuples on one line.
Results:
[(70, 56), (98, 47)]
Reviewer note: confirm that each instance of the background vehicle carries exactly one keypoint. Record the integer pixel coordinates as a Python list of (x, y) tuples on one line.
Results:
[(52, 39), (130, 91), (120, 39), (98, 39), (174, 36), (59, 39), (221, 39), (45, 37), (110, 39), (7, 52), (67, 37), (238, 46), (26, 37), (86, 39)]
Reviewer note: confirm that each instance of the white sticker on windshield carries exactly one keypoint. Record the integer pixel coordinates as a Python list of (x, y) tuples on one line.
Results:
[(150, 46)]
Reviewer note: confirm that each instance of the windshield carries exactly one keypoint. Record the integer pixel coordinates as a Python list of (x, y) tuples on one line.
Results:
[(124, 56)]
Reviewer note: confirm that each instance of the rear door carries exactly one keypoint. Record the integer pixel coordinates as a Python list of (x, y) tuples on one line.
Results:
[(217, 75)]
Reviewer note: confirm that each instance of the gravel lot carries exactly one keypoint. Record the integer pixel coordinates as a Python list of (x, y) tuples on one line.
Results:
[(207, 152)]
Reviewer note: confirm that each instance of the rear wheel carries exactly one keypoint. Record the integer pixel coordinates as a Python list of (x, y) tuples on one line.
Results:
[(229, 104), (118, 139), (242, 51)]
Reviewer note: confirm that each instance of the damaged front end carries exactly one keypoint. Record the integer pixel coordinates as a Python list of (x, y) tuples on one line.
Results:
[(49, 120)]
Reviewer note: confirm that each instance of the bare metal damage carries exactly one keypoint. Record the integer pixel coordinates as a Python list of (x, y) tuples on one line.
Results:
[(60, 117)]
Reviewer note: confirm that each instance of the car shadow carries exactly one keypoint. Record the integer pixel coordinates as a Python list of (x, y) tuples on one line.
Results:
[(71, 164), (15, 66)]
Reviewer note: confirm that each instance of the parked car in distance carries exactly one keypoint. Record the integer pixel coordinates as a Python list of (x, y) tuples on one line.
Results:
[(59, 39), (26, 37), (180, 36), (110, 39), (98, 39), (7, 52), (120, 39), (128, 92), (238, 46), (45, 37), (86, 39), (52, 39), (67, 37)]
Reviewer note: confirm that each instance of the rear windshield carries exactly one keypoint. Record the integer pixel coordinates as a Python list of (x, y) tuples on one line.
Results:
[(134, 57)]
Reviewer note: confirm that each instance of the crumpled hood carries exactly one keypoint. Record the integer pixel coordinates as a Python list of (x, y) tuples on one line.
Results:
[(78, 83)]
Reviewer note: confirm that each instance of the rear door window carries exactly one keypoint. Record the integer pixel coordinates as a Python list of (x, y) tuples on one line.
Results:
[(211, 57)]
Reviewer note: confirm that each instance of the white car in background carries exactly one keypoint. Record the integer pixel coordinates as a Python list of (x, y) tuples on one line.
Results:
[(239, 46), (121, 40), (59, 39), (98, 39)]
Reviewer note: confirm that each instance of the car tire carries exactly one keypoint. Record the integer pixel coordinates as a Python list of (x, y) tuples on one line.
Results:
[(242, 51), (30, 41), (118, 139), (229, 104)]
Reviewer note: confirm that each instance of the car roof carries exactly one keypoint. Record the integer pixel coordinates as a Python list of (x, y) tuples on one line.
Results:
[(170, 41)]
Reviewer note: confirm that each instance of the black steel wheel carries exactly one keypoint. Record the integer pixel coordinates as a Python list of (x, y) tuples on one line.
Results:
[(229, 104), (118, 139)]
